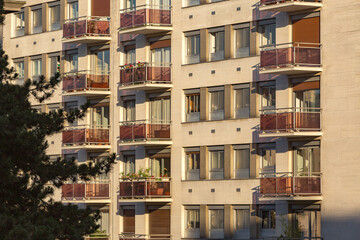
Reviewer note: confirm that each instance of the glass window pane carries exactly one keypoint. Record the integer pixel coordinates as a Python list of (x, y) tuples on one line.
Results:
[(193, 219), (37, 21), (242, 103), (73, 10), (242, 219)]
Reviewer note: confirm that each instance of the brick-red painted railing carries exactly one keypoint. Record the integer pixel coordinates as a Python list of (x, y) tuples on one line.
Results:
[(144, 130), (269, 2), (85, 80), (85, 191), (85, 135), (145, 187), (86, 26), (145, 73)]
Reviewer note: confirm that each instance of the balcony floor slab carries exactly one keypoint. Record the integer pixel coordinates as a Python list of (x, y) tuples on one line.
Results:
[(146, 86), (146, 29), (291, 198), (87, 201), (86, 146), (146, 143), (87, 93), (291, 134), (132, 200), (86, 39), (290, 6), (291, 70)]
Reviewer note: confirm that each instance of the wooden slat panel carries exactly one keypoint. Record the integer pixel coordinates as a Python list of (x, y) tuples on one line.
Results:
[(306, 30), (159, 221), (306, 86), (129, 220)]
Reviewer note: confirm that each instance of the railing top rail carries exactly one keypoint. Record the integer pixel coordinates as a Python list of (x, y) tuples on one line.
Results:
[(144, 236), (95, 18), (290, 174), (105, 181), (145, 64), (291, 109), (87, 126), (291, 44), (80, 72), (265, 2), (136, 122), (146, 179), (146, 6)]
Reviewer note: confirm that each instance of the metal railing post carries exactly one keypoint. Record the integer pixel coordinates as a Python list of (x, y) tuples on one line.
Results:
[(294, 57), (294, 119)]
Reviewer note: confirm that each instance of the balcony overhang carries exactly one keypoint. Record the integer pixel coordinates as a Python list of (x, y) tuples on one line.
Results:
[(146, 143), (291, 198), (11, 6), (290, 6), (87, 93), (155, 199), (291, 134), (86, 146), (146, 29), (87, 201), (146, 86), (293, 70), (87, 39)]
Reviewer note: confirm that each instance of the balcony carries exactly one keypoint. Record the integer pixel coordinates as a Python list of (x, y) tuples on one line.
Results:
[(131, 236), (289, 5), (286, 186), (145, 76), (91, 192), (146, 19), (85, 83), (87, 30), (96, 238), (291, 58), (140, 188), (144, 132), (290, 122), (88, 137)]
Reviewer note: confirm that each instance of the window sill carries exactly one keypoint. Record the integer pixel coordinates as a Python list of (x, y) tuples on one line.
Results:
[(232, 179), (226, 59), (32, 34), (231, 119)]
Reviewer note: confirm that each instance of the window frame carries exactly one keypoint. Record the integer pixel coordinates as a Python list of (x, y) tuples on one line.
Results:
[(192, 173), (219, 113), (192, 105), (192, 42), (36, 28), (53, 26), (216, 49), (19, 29), (243, 51), (242, 112), (214, 171), (241, 173)]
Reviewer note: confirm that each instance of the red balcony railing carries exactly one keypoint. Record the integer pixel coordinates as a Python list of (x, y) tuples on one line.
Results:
[(145, 188), (145, 73), (269, 2), (95, 190), (96, 238), (86, 26), (132, 236), (85, 80), (145, 130), (286, 184), (145, 15), (290, 120), (79, 135), (290, 54)]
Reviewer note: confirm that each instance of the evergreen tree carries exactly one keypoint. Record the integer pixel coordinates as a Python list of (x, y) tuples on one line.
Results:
[(27, 176)]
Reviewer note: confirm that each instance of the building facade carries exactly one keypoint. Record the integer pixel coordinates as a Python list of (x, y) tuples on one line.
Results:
[(231, 119)]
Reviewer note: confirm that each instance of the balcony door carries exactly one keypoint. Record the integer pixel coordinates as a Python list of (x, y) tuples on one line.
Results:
[(95, 157), (161, 53), (307, 96), (160, 109), (101, 62), (100, 115), (307, 159), (310, 223)]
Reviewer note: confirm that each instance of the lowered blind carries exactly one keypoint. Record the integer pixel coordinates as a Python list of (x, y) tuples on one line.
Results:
[(159, 221), (160, 44), (129, 220)]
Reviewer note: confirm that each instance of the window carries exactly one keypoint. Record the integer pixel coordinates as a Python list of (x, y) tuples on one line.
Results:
[(54, 17), (216, 104), (36, 68), (268, 96), (95, 157), (19, 69), (267, 34), (72, 60), (160, 110), (104, 221), (53, 107), (242, 162), (192, 222), (216, 44), (130, 3), (241, 222), (161, 56), (192, 164), (189, 3), (71, 156), (100, 115), (310, 222), (101, 62), (242, 40), (193, 106), (307, 100), (129, 163), (160, 166), (71, 107), (130, 56), (193, 47), (36, 20), (128, 219), (216, 158), (268, 159), (268, 219), (216, 221), (54, 65), (19, 24), (307, 159), (242, 101), (73, 8), (129, 110)]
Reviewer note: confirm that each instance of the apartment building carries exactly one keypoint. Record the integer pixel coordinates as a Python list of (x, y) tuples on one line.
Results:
[(231, 119)]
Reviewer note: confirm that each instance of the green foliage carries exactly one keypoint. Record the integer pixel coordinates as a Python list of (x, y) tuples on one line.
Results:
[(27, 176), (290, 230)]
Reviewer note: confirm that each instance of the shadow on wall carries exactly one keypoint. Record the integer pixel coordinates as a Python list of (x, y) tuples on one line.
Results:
[(340, 227)]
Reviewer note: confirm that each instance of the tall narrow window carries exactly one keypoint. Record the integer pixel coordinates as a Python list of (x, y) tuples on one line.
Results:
[(268, 159), (267, 34), (160, 166), (268, 96), (216, 104), (72, 60), (216, 44), (192, 164), (192, 222), (19, 68), (128, 215), (101, 62), (242, 162), (216, 222), (19, 24), (73, 9), (54, 17), (71, 107), (129, 163), (36, 68), (100, 115), (36, 20), (130, 56), (216, 158), (161, 56), (242, 40), (192, 47), (96, 157), (160, 110), (193, 106), (241, 222), (130, 4), (242, 101), (129, 110), (268, 219), (54, 65), (307, 159), (103, 222)]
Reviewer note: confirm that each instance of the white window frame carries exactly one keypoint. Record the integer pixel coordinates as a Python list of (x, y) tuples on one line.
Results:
[(241, 233), (54, 25), (36, 28), (217, 113), (242, 173), (244, 51), (218, 172), (216, 233), (19, 24), (191, 40), (190, 232), (193, 173), (216, 49)]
